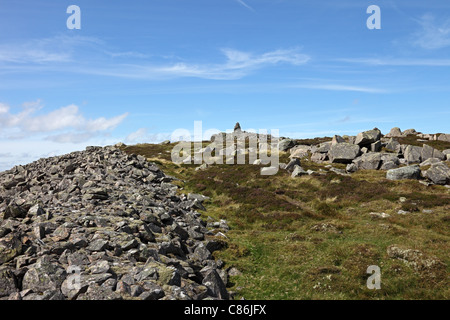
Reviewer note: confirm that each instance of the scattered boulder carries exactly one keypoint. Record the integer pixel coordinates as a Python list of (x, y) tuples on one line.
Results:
[(319, 157), (366, 138), (430, 152), (337, 139), (292, 164), (439, 173), (394, 133), (285, 144), (368, 161), (444, 137), (429, 162), (409, 131), (298, 171), (393, 146), (409, 172), (343, 152), (413, 154)]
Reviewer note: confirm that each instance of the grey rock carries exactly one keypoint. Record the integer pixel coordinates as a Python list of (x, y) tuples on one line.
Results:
[(413, 154), (8, 282), (319, 157), (409, 172), (298, 171), (324, 147), (439, 173), (394, 132), (343, 152), (337, 139), (98, 245), (10, 247), (43, 275), (215, 285), (351, 167), (285, 144), (368, 137), (387, 165), (429, 152), (292, 163), (393, 146), (444, 137), (376, 146), (409, 131), (429, 162), (368, 161)]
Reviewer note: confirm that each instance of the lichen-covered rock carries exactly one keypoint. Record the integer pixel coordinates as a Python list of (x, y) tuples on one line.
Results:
[(366, 138), (101, 224), (10, 247), (8, 282), (409, 172), (343, 152), (416, 259), (439, 173)]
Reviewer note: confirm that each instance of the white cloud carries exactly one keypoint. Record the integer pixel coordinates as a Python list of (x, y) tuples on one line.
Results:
[(82, 55), (65, 124), (103, 124), (406, 62), (245, 5), (338, 87), (432, 34), (58, 49), (237, 65), (3, 108), (71, 137), (143, 136)]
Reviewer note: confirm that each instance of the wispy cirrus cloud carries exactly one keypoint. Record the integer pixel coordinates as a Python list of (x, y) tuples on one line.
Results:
[(237, 65), (241, 2), (406, 62), (433, 34), (339, 87), (85, 55)]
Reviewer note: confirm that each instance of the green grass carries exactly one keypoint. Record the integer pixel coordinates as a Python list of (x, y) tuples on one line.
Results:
[(312, 237)]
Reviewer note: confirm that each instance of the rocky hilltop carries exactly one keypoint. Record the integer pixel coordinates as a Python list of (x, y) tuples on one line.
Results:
[(405, 155), (101, 224)]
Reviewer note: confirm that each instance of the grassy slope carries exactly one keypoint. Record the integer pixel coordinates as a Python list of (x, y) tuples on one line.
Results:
[(312, 237)]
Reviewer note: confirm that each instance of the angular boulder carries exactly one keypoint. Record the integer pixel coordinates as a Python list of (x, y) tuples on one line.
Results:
[(409, 172), (368, 137), (395, 132), (337, 139), (444, 137), (298, 171), (285, 144), (430, 152), (343, 152), (409, 131), (439, 173), (368, 161), (413, 154), (393, 146)]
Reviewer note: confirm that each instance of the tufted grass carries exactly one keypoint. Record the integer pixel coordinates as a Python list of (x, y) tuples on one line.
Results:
[(312, 237)]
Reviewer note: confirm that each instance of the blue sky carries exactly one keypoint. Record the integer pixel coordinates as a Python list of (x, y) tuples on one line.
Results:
[(137, 70)]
